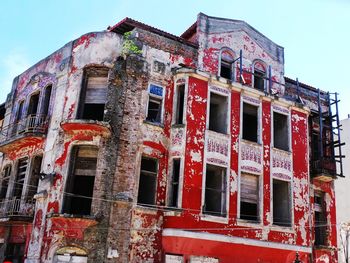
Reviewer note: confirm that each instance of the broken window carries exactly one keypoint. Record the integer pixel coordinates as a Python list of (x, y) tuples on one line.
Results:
[(94, 94), (155, 104), (33, 104), (259, 76), (218, 113), (81, 179), (320, 220), (6, 175), (46, 100), (34, 177), (280, 131), (148, 181), (226, 64), (249, 204), (180, 98), (174, 188), (281, 203), (250, 122), (215, 190), (20, 177)]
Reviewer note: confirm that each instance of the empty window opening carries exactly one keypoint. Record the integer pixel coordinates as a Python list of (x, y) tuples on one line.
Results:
[(94, 94), (34, 177), (250, 122), (46, 100), (320, 220), (148, 181), (180, 98), (2, 115), (218, 113), (174, 184), (5, 182), (33, 104), (215, 191), (259, 76), (280, 131), (155, 104), (14, 252), (20, 177), (80, 182), (226, 65), (19, 111), (281, 203), (249, 204)]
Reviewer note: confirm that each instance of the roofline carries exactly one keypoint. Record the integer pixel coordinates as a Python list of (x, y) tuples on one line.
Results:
[(134, 23), (190, 31), (303, 85)]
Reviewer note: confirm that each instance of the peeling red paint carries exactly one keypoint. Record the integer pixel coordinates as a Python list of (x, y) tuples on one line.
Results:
[(84, 40), (210, 60)]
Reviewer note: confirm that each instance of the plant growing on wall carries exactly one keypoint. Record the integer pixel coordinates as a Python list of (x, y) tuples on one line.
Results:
[(129, 46)]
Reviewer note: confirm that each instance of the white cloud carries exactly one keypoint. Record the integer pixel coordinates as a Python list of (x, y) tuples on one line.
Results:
[(11, 66)]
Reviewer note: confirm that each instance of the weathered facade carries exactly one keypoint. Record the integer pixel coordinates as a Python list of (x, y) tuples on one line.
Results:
[(135, 145)]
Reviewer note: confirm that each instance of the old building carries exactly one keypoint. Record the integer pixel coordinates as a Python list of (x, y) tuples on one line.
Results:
[(135, 145)]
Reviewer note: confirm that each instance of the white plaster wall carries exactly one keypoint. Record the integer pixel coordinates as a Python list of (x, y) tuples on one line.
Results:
[(342, 186)]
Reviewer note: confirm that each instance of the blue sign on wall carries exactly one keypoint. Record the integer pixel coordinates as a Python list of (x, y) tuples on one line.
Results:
[(156, 90)]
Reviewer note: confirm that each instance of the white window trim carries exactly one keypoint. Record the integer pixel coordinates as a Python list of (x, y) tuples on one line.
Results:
[(289, 129), (184, 121), (253, 71), (149, 95), (228, 116), (212, 218), (181, 178), (233, 68), (259, 131), (260, 200)]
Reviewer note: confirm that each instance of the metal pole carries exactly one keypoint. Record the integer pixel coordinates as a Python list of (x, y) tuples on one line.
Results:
[(240, 65)]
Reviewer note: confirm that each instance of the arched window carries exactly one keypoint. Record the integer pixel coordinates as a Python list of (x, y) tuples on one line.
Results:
[(34, 177), (226, 63), (259, 71), (46, 100)]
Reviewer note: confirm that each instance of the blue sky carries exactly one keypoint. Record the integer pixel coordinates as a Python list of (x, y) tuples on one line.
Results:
[(314, 33)]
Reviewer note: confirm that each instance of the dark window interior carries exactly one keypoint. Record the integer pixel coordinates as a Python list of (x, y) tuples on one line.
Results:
[(34, 177), (250, 122), (154, 109), (46, 101), (281, 203), (33, 104), (94, 94), (180, 104), (280, 131), (148, 181), (218, 113), (174, 187), (259, 79), (5, 182), (19, 111), (226, 70), (20, 177), (2, 115), (249, 209), (215, 191), (15, 252), (320, 220), (80, 184)]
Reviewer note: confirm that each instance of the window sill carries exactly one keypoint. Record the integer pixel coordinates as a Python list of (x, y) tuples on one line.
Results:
[(215, 219), (251, 142), (281, 150), (152, 210), (249, 223), (289, 229), (157, 124), (178, 126), (173, 211)]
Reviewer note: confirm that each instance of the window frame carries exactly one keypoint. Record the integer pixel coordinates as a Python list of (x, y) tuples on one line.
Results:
[(180, 82), (156, 174), (264, 75), (257, 104), (9, 178), (290, 201), (231, 64), (288, 115), (156, 97), (180, 183)]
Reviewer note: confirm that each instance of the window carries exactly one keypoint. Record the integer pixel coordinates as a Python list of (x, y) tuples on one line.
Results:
[(250, 122), (20, 177), (94, 94), (15, 252), (218, 112), (249, 204), (148, 181), (180, 98), (81, 179), (174, 188), (174, 258), (280, 131), (259, 76), (34, 177), (2, 115), (19, 111), (33, 104), (320, 220), (281, 203), (155, 104), (46, 100), (6, 175), (226, 64), (215, 191)]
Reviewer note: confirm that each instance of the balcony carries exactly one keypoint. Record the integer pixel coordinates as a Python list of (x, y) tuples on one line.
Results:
[(324, 169), (25, 132), (86, 127), (16, 208)]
